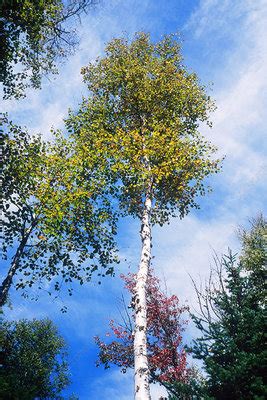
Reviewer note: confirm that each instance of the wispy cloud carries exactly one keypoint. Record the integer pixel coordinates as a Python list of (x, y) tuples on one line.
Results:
[(239, 131), (239, 122)]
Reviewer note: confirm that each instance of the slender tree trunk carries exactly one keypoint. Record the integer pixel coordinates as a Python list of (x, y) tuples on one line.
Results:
[(7, 282), (141, 370)]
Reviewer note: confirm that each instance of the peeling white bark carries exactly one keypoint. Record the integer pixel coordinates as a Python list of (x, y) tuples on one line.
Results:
[(141, 370)]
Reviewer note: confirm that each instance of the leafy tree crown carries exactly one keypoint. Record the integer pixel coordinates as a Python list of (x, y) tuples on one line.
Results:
[(141, 120), (33, 360), (51, 226)]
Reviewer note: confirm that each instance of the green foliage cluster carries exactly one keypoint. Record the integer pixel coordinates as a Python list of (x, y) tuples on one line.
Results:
[(34, 35), (56, 228), (33, 361), (141, 121), (254, 255), (232, 322), (193, 389)]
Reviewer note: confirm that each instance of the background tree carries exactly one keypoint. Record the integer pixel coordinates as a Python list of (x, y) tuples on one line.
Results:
[(193, 388), (33, 361), (254, 255), (141, 120), (232, 321), (51, 228), (166, 321), (35, 34)]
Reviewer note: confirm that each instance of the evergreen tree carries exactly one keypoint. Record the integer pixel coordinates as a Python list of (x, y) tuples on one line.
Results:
[(232, 321)]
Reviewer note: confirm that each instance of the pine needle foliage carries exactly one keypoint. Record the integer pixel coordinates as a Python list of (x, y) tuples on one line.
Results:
[(233, 321)]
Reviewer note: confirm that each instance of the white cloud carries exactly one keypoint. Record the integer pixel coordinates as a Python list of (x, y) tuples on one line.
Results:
[(240, 120), (186, 247), (157, 392), (223, 17), (113, 385), (110, 387), (41, 110)]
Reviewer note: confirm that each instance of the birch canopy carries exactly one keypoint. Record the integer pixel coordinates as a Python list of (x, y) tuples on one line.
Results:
[(141, 119), (140, 125)]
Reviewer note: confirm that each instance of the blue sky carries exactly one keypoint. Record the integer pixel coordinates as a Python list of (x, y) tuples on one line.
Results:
[(224, 42)]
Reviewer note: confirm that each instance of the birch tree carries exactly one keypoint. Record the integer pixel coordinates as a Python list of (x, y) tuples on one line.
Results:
[(51, 229), (141, 119)]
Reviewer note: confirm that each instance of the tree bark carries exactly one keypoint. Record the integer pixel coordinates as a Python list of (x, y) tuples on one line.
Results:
[(7, 282), (141, 369)]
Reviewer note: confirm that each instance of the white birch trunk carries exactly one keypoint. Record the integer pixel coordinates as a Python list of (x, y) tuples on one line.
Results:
[(141, 370)]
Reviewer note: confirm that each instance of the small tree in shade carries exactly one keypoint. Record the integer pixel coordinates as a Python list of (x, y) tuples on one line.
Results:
[(33, 362), (141, 121), (166, 321)]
